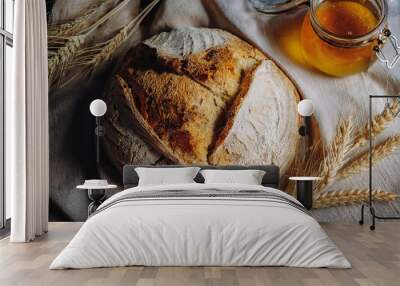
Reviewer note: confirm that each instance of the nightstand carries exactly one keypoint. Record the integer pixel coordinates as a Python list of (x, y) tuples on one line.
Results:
[(305, 190), (96, 195)]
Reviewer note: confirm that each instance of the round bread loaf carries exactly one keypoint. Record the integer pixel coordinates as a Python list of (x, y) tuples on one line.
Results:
[(200, 96)]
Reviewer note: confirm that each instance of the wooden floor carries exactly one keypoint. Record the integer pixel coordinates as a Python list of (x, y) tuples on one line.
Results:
[(375, 257)]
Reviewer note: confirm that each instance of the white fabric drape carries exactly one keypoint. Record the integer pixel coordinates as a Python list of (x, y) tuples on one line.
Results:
[(27, 148)]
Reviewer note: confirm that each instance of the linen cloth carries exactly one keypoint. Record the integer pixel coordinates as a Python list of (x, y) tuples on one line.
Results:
[(333, 97)]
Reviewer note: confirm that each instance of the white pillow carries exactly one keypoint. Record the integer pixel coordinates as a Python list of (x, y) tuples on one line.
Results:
[(248, 177), (165, 176)]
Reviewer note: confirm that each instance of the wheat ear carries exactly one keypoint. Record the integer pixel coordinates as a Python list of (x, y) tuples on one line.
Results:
[(379, 123), (305, 164), (95, 56), (346, 197), (74, 27), (59, 61), (337, 154), (361, 163), (62, 59)]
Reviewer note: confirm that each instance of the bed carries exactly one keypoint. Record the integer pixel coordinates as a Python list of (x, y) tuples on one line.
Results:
[(198, 224)]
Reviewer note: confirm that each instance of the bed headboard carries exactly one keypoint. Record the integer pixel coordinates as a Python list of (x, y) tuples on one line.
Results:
[(271, 177)]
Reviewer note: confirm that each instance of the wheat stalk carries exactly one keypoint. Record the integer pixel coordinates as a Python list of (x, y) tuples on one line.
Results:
[(346, 197), (337, 154), (337, 162), (379, 123), (105, 17), (361, 163), (74, 27), (305, 164), (98, 54), (112, 45), (59, 62), (62, 59), (309, 165)]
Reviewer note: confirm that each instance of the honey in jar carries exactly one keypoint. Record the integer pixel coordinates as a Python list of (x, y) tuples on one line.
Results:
[(344, 20)]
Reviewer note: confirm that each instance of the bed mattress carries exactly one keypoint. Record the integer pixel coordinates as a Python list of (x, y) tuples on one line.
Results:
[(201, 225)]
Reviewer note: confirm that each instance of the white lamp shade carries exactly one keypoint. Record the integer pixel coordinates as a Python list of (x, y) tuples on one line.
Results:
[(305, 108), (98, 107)]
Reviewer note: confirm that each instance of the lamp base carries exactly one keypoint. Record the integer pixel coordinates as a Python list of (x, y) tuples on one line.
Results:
[(304, 193), (303, 130), (100, 130)]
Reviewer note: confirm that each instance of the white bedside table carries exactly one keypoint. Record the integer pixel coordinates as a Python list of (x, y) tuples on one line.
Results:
[(96, 195), (305, 190)]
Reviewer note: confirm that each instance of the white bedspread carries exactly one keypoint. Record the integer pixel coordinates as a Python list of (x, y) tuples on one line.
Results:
[(200, 231)]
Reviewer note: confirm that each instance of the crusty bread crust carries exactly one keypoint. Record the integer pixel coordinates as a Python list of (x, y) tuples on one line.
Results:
[(187, 104)]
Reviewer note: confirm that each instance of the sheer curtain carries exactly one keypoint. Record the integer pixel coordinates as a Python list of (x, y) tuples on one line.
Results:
[(27, 148)]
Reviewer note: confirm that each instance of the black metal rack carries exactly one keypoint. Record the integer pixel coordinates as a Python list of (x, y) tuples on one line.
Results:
[(370, 204)]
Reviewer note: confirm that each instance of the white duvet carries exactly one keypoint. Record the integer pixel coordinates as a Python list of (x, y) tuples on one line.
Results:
[(200, 231)]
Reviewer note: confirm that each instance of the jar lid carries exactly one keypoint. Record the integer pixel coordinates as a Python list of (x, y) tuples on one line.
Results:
[(276, 6)]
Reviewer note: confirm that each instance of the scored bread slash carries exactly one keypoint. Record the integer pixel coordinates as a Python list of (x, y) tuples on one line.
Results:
[(201, 96), (262, 123)]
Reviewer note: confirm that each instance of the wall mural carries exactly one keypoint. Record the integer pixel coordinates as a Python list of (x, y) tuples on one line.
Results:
[(218, 82)]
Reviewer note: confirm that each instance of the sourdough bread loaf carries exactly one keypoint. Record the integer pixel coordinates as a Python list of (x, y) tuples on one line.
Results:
[(204, 96)]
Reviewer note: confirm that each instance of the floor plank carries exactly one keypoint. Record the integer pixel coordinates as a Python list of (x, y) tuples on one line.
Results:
[(375, 257)]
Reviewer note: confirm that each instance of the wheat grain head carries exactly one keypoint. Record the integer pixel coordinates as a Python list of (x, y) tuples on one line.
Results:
[(337, 154), (63, 58), (74, 26), (361, 163), (96, 55), (355, 196), (379, 123)]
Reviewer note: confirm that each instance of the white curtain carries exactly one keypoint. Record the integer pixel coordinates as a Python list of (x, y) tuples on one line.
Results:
[(27, 147)]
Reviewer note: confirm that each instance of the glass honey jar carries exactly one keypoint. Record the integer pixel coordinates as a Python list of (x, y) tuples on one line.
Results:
[(340, 37)]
